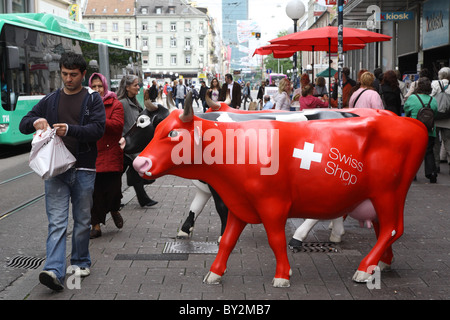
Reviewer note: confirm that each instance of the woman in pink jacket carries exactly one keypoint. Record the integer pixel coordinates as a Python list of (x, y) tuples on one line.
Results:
[(109, 164), (309, 101), (366, 96)]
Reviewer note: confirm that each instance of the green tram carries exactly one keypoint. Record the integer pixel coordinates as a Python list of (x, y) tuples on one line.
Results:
[(30, 47)]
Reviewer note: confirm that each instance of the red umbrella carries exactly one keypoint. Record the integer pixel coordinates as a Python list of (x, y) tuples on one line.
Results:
[(329, 36), (288, 50), (285, 51), (278, 53)]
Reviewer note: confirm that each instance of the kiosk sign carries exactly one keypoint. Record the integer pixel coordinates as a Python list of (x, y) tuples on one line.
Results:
[(396, 16)]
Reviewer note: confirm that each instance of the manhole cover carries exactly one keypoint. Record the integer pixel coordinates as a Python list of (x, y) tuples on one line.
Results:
[(326, 247), (191, 247), (24, 262)]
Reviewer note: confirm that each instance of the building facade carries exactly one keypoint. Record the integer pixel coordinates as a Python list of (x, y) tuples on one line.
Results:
[(112, 20), (419, 29), (60, 8), (232, 12), (174, 37)]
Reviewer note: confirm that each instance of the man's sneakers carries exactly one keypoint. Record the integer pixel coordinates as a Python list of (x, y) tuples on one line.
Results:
[(49, 279), (82, 272)]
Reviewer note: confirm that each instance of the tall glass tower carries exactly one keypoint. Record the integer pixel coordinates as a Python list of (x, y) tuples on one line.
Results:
[(232, 11)]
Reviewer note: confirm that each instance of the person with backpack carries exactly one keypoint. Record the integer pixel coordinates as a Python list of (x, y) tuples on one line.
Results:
[(441, 92), (415, 107)]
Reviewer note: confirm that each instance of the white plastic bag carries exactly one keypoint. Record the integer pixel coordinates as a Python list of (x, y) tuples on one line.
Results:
[(49, 156)]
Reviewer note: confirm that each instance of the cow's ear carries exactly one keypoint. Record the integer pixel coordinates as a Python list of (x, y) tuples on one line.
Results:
[(198, 135), (188, 113)]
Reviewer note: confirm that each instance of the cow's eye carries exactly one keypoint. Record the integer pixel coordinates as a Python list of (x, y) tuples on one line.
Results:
[(173, 134), (143, 121)]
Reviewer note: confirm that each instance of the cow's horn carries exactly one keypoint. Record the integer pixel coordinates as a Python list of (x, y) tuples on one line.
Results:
[(188, 113), (228, 98), (159, 99), (212, 104), (169, 102), (149, 105)]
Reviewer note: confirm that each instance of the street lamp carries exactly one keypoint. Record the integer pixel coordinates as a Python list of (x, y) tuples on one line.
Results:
[(295, 9)]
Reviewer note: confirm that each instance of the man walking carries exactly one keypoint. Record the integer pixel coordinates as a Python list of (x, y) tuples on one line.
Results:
[(78, 115), (181, 94), (233, 89)]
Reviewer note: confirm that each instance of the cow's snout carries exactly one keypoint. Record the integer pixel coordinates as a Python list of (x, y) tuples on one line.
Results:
[(142, 165)]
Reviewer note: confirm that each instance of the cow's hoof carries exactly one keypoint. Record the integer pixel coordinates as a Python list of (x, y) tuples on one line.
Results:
[(182, 235), (361, 276), (212, 278), (281, 283), (295, 244), (335, 238)]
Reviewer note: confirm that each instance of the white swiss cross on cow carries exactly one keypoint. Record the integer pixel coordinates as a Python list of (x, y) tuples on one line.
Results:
[(307, 155)]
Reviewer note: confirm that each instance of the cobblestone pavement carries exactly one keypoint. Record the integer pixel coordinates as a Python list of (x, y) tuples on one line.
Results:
[(131, 263)]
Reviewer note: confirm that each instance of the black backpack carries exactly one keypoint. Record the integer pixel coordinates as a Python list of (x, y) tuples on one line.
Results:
[(426, 114)]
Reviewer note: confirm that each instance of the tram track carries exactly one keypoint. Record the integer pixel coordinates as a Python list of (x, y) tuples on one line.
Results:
[(22, 204)]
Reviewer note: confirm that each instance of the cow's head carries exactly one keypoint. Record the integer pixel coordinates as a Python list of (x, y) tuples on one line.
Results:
[(162, 154), (141, 133)]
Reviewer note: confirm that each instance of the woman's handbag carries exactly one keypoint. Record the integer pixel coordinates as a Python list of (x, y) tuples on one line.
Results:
[(49, 156)]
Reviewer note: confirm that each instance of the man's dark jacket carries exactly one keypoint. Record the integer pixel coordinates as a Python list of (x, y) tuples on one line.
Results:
[(89, 129)]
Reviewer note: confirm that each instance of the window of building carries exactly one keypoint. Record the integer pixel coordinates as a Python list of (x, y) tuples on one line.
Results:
[(187, 26), (159, 42), (127, 27), (91, 26), (115, 26), (173, 42), (158, 10), (173, 59), (187, 42), (201, 42), (188, 59), (144, 26), (116, 39), (159, 59), (159, 27), (173, 26), (145, 42), (171, 10), (127, 42), (103, 27)]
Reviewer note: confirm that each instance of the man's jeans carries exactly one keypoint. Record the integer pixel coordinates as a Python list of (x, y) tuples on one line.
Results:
[(77, 186), (178, 101)]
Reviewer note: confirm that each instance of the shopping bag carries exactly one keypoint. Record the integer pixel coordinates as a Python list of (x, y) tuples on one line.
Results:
[(49, 156)]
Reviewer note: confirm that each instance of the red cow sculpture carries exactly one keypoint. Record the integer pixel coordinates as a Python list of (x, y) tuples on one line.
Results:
[(267, 171)]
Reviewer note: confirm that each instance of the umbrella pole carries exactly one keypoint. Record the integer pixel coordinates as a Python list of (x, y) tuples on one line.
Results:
[(329, 69), (312, 80)]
